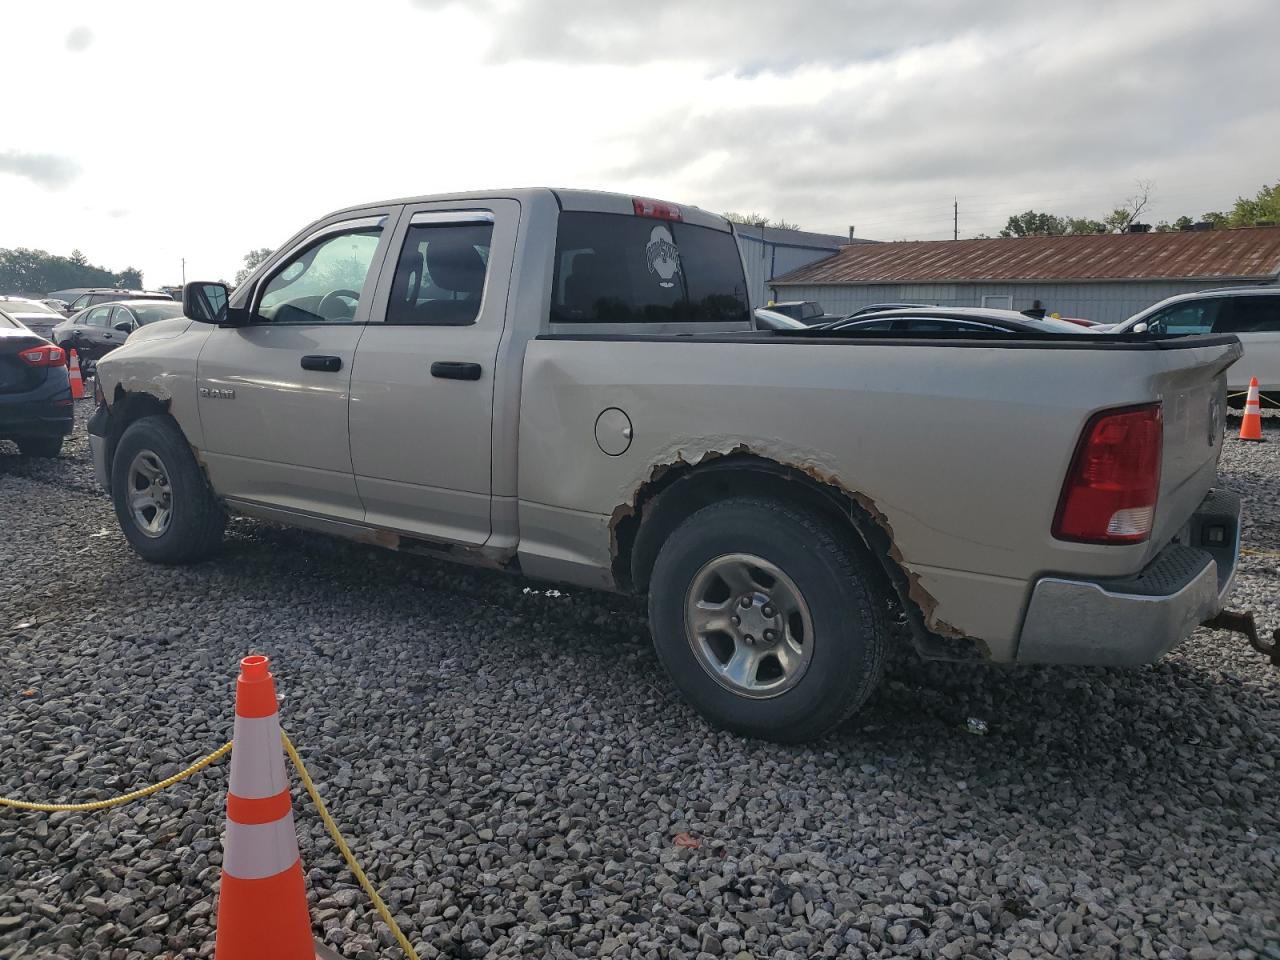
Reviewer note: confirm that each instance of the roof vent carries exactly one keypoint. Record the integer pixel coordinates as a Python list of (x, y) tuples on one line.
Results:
[(1139, 228)]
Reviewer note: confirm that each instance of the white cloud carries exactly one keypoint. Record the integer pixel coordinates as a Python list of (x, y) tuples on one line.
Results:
[(224, 127)]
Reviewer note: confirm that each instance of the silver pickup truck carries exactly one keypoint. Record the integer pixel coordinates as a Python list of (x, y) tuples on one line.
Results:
[(569, 385)]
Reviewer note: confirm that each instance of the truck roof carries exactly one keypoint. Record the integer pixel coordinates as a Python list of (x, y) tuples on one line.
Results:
[(598, 201)]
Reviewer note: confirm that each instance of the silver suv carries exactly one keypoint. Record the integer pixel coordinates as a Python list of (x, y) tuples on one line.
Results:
[(1251, 313)]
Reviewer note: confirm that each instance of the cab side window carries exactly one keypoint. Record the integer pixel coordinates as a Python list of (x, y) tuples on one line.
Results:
[(99, 317), (323, 283), (440, 274), (80, 302), (1249, 315), (1194, 316), (122, 315)]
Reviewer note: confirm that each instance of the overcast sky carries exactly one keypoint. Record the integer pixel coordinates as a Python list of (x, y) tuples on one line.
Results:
[(145, 132)]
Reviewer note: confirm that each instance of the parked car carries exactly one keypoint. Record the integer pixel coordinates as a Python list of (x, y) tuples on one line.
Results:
[(1252, 313), (806, 311), (35, 391), (95, 332), (61, 306), (879, 307), (35, 315), (953, 320), (767, 319), (568, 384), (80, 297)]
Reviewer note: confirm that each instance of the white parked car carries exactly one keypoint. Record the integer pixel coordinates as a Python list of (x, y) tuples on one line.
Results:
[(1251, 313)]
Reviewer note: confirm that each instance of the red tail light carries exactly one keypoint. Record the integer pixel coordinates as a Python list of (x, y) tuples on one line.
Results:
[(1110, 492), (46, 356), (655, 209)]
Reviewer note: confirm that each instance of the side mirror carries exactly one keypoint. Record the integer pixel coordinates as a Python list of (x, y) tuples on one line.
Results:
[(124, 326), (205, 301), (1140, 328)]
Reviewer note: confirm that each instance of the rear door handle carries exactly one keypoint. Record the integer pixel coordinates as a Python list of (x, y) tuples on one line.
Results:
[(455, 370), (321, 363)]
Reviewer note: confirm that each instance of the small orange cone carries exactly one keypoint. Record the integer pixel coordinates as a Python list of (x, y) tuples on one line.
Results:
[(77, 382), (1251, 425), (262, 908)]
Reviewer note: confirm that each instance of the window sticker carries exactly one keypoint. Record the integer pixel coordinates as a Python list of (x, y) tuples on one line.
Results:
[(663, 257)]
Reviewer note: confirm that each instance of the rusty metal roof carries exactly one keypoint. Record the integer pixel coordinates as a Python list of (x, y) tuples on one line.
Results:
[(1248, 253)]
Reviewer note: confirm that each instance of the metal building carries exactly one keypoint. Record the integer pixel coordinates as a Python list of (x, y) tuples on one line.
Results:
[(770, 252), (1103, 277)]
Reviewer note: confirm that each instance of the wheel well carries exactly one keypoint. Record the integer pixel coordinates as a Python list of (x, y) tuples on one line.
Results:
[(125, 409), (667, 502), (664, 503)]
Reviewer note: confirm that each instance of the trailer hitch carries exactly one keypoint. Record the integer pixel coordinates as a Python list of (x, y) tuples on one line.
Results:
[(1244, 623)]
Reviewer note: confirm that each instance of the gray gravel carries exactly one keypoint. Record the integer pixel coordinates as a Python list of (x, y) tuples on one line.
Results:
[(513, 769)]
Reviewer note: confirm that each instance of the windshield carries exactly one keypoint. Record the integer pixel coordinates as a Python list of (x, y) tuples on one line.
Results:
[(28, 306), (151, 312)]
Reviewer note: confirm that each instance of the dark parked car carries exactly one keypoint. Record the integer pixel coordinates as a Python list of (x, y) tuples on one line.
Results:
[(35, 391), (95, 332), (952, 320), (80, 297)]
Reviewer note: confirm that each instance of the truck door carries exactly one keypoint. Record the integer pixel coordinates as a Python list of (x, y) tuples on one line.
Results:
[(273, 394), (423, 382)]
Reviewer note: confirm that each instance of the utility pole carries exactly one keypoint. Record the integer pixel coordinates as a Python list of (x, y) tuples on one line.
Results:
[(955, 218), (184, 271)]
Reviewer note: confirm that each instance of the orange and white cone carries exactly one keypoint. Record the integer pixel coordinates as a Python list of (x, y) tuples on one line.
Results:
[(77, 381), (1251, 425), (262, 908)]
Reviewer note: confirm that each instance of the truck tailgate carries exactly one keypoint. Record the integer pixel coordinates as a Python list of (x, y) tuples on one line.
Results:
[(1193, 392)]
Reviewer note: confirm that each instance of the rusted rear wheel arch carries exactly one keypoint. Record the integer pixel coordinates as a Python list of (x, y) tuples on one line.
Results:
[(675, 492), (663, 503)]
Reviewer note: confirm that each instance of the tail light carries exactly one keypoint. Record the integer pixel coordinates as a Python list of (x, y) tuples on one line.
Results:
[(44, 356), (1110, 492), (656, 209)]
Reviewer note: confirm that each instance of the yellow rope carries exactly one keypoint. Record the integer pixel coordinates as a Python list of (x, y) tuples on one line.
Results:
[(196, 767), (345, 850)]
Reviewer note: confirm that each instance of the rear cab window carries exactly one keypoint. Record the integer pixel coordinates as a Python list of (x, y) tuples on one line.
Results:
[(646, 274)]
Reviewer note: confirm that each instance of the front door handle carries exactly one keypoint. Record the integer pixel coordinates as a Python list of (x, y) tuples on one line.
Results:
[(321, 363), (455, 370)]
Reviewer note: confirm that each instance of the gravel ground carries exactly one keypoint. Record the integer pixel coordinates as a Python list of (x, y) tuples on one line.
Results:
[(513, 769)]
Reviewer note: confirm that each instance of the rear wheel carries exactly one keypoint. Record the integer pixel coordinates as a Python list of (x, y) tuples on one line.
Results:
[(165, 507), (766, 620), (39, 446)]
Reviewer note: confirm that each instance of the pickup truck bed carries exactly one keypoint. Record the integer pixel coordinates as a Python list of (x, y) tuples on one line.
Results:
[(568, 384)]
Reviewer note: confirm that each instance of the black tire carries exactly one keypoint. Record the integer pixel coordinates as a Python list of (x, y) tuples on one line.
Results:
[(39, 446), (196, 519), (838, 585)]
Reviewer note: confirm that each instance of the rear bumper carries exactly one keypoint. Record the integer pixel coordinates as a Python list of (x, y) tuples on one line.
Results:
[(37, 418), (1138, 619)]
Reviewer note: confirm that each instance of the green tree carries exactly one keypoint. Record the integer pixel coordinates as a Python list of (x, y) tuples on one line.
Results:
[(1264, 206), (1032, 223), (130, 278), (759, 220), (252, 260)]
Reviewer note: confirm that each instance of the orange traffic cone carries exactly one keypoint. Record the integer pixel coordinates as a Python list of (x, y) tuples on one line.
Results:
[(1251, 425), (262, 909), (77, 382)]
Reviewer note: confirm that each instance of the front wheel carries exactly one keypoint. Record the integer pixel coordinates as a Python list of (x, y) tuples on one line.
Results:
[(767, 621), (165, 507)]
